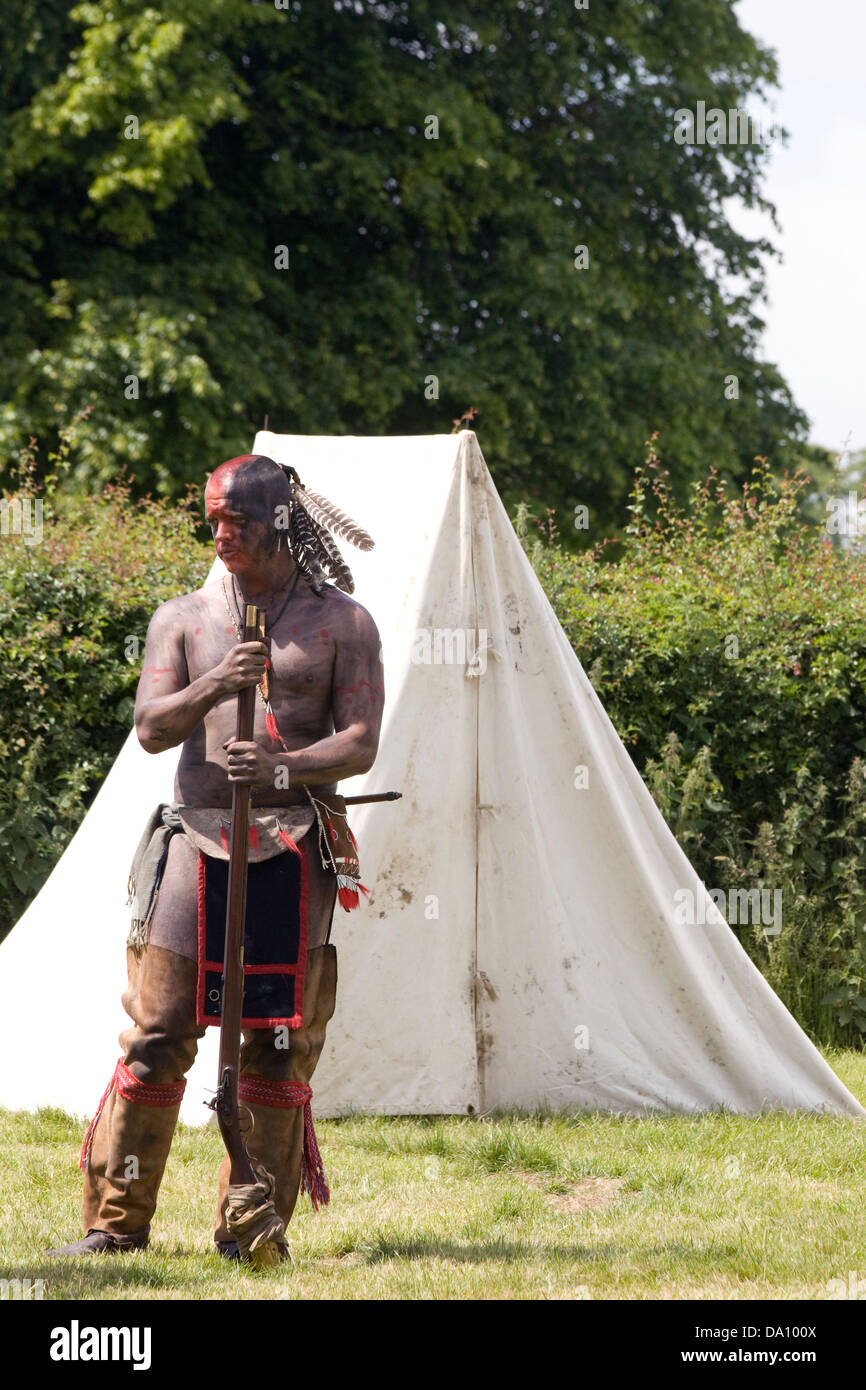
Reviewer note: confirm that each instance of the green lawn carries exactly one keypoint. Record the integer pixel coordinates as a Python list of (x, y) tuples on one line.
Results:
[(505, 1206)]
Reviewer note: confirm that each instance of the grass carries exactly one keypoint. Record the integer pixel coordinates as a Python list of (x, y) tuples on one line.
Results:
[(508, 1206)]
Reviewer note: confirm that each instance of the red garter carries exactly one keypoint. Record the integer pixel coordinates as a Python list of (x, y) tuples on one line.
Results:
[(129, 1087), (287, 1095)]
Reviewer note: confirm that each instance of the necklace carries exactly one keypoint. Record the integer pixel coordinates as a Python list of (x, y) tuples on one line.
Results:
[(263, 686), (269, 626)]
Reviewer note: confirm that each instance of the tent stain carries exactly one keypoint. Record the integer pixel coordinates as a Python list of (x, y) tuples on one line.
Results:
[(484, 985)]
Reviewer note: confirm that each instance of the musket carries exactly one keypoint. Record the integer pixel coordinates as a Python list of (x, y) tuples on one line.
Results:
[(374, 796), (226, 1101), (252, 1210)]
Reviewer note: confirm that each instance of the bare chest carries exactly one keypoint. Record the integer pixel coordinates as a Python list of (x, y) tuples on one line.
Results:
[(301, 648)]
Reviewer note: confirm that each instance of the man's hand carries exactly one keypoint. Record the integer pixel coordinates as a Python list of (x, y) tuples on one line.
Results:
[(244, 665), (249, 763)]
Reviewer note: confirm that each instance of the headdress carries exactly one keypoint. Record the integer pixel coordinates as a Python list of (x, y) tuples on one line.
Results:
[(314, 551)]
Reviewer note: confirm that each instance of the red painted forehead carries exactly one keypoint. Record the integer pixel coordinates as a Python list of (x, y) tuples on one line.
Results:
[(226, 472), (226, 485), (234, 464)]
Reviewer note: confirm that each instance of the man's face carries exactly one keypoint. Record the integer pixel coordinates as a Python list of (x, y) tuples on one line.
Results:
[(242, 527)]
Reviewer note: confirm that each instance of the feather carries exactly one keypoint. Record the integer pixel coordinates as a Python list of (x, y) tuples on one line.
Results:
[(323, 511), (302, 542), (331, 560)]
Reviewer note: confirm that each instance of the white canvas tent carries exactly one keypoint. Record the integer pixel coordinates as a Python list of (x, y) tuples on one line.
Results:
[(521, 945)]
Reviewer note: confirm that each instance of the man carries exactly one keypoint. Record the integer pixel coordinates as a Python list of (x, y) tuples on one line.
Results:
[(317, 722)]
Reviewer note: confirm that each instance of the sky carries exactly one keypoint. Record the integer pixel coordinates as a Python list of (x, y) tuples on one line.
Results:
[(816, 314)]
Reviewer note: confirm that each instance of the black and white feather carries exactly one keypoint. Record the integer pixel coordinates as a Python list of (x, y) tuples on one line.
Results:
[(323, 511), (302, 543), (313, 549)]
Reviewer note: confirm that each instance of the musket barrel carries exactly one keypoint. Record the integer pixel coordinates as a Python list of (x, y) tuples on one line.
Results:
[(374, 796), (233, 957)]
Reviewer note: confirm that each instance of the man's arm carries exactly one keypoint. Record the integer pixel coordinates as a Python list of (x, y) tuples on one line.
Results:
[(357, 700), (168, 706)]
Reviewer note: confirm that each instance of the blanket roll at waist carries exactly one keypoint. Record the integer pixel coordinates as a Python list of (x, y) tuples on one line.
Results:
[(275, 939), (145, 875)]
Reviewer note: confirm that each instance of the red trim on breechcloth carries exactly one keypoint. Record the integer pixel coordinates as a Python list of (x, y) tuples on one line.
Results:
[(298, 970), (129, 1087), (286, 1095), (201, 926)]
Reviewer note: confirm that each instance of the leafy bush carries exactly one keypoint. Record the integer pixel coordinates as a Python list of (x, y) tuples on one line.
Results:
[(74, 610), (728, 644)]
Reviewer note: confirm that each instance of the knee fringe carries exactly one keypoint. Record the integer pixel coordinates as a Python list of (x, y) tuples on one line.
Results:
[(287, 1095)]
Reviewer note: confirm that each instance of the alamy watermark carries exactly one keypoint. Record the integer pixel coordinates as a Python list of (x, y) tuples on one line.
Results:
[(22, 516), (852, 1287), (77, 1343), (450, 646), (716, 907), (19, 1290), (846, 516), (719, 127)]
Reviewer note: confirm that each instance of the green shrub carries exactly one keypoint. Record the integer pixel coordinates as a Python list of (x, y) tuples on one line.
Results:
[(728, 644), (74, 610)]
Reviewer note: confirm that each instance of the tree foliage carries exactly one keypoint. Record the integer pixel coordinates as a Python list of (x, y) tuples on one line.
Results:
[(147, 250)]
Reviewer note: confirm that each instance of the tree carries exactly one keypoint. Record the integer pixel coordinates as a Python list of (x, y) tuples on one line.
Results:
[(365, 217)]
